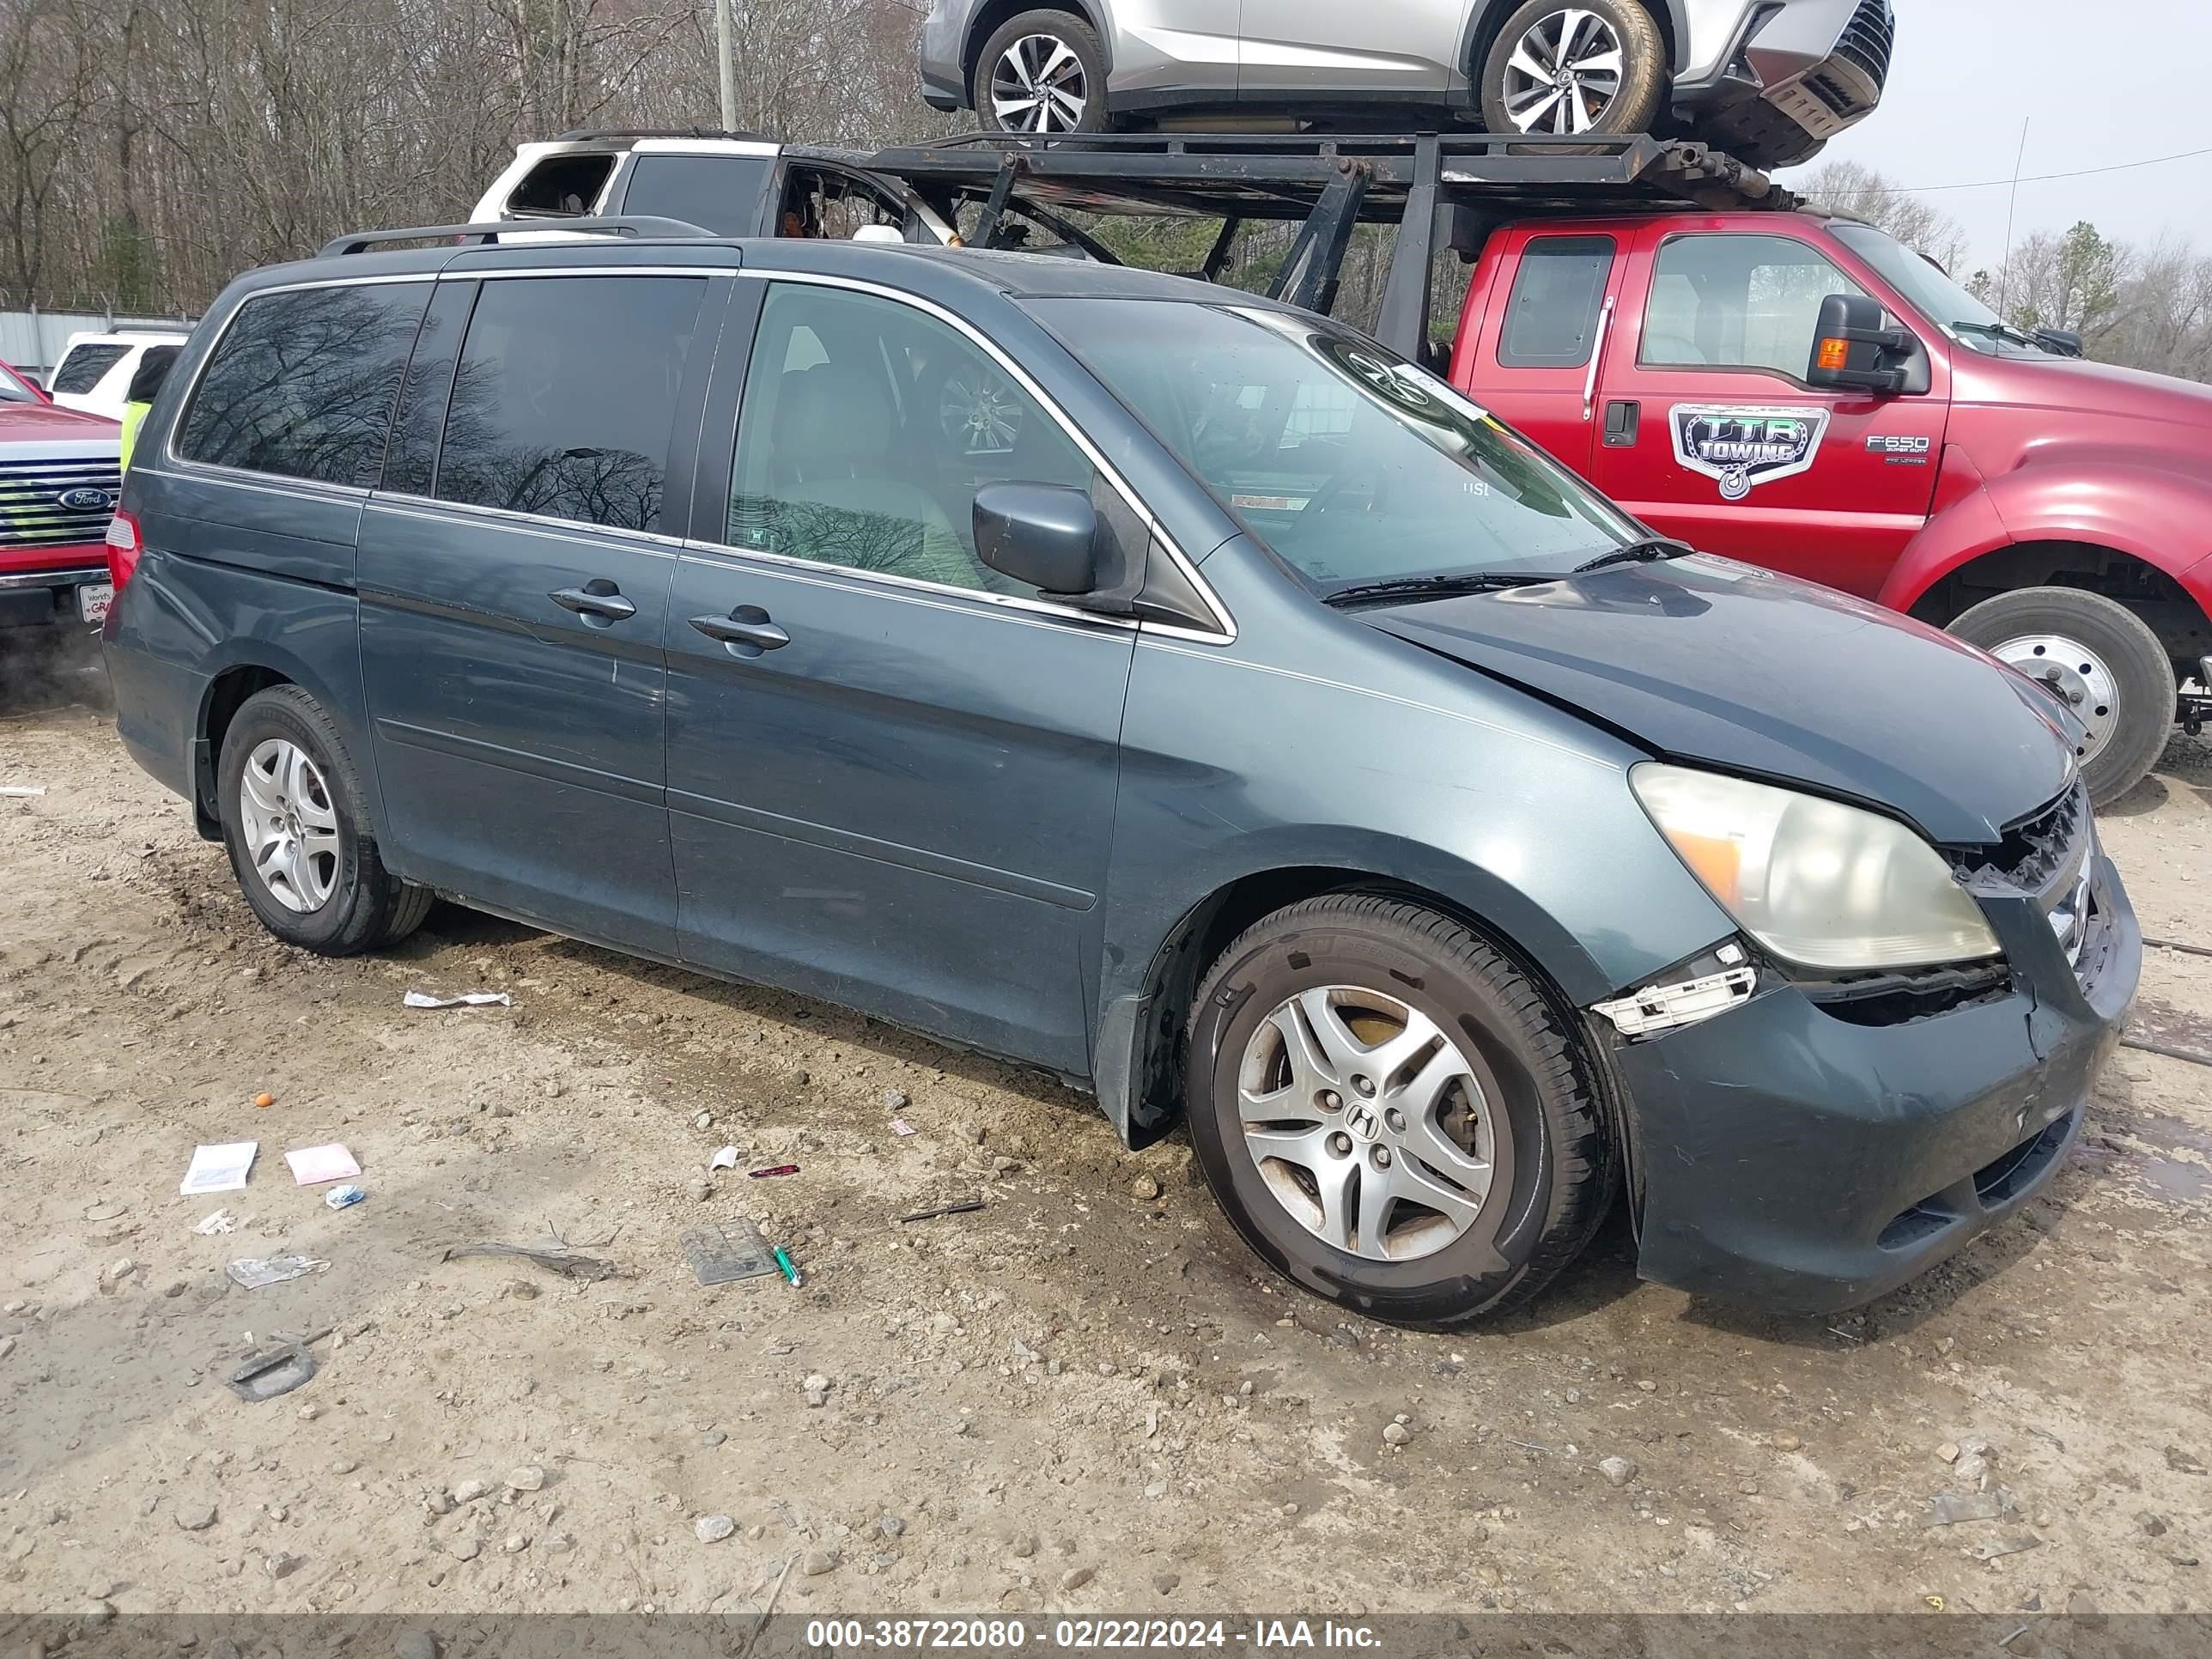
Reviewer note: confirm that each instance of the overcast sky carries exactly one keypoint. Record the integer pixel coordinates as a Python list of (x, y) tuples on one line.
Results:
[(2101, 82)]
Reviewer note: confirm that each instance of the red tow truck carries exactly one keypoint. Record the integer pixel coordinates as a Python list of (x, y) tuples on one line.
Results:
[(1763, 381), (59, 477)]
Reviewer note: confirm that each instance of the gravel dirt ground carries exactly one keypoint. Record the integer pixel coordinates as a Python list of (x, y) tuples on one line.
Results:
[(1086, 1395)]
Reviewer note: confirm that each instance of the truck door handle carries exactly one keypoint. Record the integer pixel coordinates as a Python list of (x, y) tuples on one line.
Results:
[(1597, 357), (1622, 418), (746, 631), (599, 602)]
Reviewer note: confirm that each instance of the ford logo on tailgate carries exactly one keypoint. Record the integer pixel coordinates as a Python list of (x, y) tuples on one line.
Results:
[(85, 501)]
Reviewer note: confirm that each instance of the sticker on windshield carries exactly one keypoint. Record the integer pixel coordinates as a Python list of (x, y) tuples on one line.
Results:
[(1744, 448)]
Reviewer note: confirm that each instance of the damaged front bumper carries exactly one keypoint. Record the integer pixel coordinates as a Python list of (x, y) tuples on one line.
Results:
[(1809, 1155)]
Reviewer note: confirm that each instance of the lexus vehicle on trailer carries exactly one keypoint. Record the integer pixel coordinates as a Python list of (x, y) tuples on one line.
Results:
[(1770, 80)]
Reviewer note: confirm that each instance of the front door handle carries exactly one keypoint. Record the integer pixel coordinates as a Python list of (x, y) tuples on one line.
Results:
[(599, 602), (746, 631)]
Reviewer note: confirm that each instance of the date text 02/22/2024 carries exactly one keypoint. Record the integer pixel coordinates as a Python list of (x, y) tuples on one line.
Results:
[(1083, 1635)]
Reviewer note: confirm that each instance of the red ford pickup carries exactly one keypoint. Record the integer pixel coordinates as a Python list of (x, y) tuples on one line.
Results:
[(59, 477), (1806, 394)]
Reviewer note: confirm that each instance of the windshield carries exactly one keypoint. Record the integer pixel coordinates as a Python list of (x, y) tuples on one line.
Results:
[(12, 388), (1936, 296), (1353, 466)]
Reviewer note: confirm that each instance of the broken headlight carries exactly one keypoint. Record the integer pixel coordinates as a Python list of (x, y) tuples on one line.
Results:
[(1814, 881)]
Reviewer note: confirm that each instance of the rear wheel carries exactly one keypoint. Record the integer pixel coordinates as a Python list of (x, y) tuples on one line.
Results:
[(2100, 659), (1043, 72), (299, 843), (1555, 70), (1392, 1115)]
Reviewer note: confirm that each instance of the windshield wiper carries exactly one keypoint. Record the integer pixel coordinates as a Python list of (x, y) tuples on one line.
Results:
[(1441, 588), (1995, 331), (1650, 550)]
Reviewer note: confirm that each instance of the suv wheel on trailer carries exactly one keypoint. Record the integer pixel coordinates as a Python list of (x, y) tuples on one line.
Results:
[(1043, 72), (2103, 662), (1555, 70), (1392, 1115), (290, 804)]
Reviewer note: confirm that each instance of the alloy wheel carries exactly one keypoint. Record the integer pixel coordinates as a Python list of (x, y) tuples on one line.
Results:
[(2078, 675), (291, 826), (1366, 1122), (1038, 86), (1564, 74)]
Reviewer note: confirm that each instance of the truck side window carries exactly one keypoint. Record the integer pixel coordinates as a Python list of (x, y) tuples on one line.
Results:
[(1737, 302), (1550, 320)]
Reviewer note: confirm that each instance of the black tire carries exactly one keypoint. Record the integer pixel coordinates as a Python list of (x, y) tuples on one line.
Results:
[(1636, 97), (1551, 1159), (2138, 723), (1067, 30), (368, 906)]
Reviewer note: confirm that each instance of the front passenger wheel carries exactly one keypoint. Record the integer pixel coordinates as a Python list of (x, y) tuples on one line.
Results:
[(1043, 72), (1392, 1115), (290, 802), (2098, 658)]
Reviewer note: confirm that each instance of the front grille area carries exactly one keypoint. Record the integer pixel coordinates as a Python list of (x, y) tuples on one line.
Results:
[(32, 512), (1867, 40), (1849, 83), (2039, 856)]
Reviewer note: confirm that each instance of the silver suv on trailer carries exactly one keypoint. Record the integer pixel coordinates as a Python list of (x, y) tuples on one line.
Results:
[(1771, 82)]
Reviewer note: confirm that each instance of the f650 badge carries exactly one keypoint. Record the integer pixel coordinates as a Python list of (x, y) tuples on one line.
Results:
[(1906, 452), (1744, 448)]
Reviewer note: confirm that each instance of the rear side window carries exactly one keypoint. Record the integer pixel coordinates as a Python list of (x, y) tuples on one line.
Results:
[(1550, 320), (81, 370), (720, 193), (562, 185), (300, 385), (565, 394)]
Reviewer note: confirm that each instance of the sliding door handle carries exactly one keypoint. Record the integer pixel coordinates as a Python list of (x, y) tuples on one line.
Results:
[(597, 599), (746, 630)]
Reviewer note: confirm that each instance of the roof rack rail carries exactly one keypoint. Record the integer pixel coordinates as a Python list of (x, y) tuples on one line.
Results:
[(639, 224), (579, 134)]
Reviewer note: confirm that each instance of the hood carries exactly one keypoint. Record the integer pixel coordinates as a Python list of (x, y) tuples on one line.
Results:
[(1705, 660), (46, 421), (2076, 385)]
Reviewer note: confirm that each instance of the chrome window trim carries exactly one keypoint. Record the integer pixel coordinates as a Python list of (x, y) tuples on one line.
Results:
[(269, 483), (817, 572), (1227, 623), (540, 524)]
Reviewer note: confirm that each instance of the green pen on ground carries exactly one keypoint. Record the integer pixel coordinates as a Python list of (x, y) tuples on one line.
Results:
[(790, 1269)]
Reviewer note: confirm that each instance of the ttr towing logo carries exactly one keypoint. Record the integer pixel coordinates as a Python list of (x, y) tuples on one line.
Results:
[(1744, 448)]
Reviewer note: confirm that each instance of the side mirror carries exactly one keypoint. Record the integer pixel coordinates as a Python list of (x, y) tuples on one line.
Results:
[(1044, 535), (1851, 350), (2059, 342)]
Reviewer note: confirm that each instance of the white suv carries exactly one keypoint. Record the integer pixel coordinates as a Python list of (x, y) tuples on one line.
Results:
[(1770, 80), (95, 372), (731, 184)]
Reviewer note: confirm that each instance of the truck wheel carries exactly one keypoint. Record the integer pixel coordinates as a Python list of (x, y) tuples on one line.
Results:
[(2103, 662), (289, 799), (1595, 66), (1043, 72), (1391, 1115)]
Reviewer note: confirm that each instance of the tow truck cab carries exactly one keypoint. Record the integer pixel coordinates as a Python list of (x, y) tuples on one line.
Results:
[(2049, 509)]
